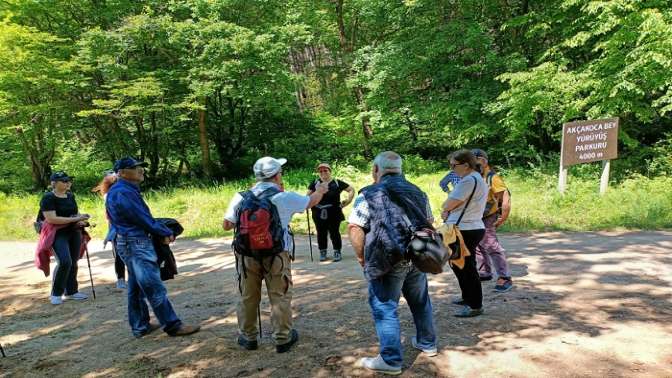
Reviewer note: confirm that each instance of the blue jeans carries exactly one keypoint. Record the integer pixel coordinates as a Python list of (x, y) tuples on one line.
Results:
[(144, 283), (66, 251), (384, 294)]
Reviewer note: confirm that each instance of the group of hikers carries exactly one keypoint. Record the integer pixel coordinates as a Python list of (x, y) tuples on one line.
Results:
[(381, 221)]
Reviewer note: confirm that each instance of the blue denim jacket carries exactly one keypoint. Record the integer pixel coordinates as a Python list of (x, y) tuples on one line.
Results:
[(129, 214)]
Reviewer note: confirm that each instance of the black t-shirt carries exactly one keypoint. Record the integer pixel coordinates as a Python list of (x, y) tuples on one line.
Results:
[(64, 207), (331, 197)]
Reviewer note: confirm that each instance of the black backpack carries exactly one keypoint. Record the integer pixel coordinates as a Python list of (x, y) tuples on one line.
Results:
[(425, 246)]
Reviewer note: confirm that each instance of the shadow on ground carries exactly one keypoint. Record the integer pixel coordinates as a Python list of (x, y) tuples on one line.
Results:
[(569, 288)]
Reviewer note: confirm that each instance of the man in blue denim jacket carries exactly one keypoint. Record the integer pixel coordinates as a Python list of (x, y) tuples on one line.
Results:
[(377, 230), (135, 226)]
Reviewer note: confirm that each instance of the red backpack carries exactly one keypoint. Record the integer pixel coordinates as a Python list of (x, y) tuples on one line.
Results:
[(258, 231)]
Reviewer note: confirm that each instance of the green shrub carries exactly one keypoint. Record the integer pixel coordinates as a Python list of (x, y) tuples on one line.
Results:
[(637, 202)]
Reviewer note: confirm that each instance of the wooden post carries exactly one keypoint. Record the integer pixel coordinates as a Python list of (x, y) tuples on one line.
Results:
[(562, 179), (604, 179)]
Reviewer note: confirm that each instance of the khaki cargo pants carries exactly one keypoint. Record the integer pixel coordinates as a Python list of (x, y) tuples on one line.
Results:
[(277, 272)]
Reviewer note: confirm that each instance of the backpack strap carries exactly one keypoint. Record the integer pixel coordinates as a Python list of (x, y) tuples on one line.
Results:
[(489, 177), (468, 201)]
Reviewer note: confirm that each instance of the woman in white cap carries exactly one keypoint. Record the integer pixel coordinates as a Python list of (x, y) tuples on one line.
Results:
[(328, 214)]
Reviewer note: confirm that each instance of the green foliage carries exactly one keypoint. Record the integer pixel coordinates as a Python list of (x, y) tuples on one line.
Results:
[(635, 203), (201, 88)]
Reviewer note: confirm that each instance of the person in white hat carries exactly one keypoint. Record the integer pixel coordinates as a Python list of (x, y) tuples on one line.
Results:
[(275, 269)]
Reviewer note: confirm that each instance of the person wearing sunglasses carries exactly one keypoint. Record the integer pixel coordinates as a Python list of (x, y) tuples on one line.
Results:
[(119, 267), (464, 209), (135, 226), (328, 214), (59, 207)]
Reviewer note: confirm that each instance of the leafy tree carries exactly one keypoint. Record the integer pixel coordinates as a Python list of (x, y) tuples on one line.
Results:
[(34, 80)]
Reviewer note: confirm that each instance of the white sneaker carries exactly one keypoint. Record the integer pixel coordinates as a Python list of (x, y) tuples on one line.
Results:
[(77, 296), (56, 300), (378, 365), (429, 352), (121, 283)]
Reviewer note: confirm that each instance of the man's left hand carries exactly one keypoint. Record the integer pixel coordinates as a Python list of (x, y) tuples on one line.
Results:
[(169, 239)]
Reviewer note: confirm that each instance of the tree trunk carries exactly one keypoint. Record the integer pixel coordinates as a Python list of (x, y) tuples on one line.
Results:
[(40, 155), (203, 138), (153, 149), (347, 47), (367, 132)]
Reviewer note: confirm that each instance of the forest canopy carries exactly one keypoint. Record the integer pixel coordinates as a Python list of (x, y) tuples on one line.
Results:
[(201, 88)]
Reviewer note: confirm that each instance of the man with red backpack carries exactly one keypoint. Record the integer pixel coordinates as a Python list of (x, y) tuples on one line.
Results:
[(262, 244)]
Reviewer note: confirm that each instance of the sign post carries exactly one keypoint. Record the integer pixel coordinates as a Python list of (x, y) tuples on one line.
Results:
[(586, 142), (604, 179)]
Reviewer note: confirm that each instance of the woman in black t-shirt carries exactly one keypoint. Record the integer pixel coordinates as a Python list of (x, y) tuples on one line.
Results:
[(59, 207), (328, 214)]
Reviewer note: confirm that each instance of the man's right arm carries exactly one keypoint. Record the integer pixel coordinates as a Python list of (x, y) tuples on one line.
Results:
[(230, 216), (358, 222), (357, 238), (316, 196), (134, 208)]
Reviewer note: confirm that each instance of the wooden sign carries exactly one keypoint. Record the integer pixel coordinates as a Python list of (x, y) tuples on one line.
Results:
[(586, 142), (589, 141)]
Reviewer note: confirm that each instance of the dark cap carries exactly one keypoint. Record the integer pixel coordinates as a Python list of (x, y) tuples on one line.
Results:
[(60, 176), (479, 153), (128, 162)]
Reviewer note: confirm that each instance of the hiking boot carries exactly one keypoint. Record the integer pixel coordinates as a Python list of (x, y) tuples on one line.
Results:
[(185, 330), (247, 344), (121, 283), (485, 278), (468, 312), (337, 256), (77, 296), (151, 327), (293, 338), (429, 352), (503, 285), (56, 300), (323, 255), (378, 365)]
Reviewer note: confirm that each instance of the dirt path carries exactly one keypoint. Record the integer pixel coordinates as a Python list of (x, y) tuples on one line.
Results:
[(584, 304)]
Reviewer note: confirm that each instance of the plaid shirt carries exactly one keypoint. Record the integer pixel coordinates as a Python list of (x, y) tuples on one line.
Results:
[(359, 215)]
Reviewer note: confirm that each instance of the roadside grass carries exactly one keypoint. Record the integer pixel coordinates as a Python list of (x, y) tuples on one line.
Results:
[(634, 203)]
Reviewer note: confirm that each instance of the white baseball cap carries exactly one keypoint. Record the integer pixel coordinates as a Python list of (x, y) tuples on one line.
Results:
[(268, 167)]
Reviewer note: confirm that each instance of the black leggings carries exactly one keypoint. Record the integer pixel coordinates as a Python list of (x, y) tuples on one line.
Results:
[(66, 251), (331, 228), (470, 282), (119, 266)]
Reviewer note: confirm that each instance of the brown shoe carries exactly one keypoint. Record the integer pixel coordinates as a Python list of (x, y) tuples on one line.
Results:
[(185, 330)]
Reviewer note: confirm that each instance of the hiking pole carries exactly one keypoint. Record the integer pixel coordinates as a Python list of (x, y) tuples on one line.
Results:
[(261, 334), (310, 239), (88, 262), (2, 351)]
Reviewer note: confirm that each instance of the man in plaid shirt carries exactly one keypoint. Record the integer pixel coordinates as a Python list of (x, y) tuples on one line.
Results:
[(373, 223)]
